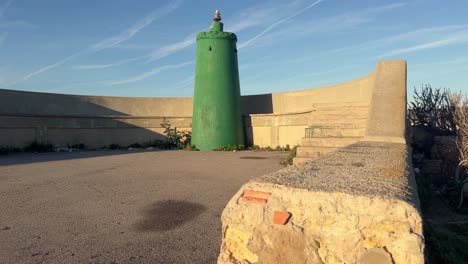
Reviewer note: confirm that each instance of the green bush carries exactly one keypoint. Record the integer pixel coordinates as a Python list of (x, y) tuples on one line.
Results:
[(8, 150), (176, 139), (268, 148), (77, 146), (231, 148), (292, 155), (255, 147), (38, 147), (114, 146), (135, 145)]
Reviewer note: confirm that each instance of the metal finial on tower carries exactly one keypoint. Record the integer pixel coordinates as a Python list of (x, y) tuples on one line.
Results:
[(217, 16)]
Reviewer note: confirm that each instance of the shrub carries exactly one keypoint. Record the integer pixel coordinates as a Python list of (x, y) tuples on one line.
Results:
[(114, 146), (292, 155), (231, 148), (80, 146), (8, 150), (38, 147), (135, 145), (460, 106), (162, 144), (255, 147), (175, 138), (268, 148), (431, 108)]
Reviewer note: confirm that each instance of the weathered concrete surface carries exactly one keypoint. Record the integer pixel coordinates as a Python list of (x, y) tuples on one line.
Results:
[(350, 206), (120, 206), (387, 113)]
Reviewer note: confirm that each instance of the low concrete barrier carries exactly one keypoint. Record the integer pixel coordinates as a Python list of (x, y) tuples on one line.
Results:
[(356, 205)]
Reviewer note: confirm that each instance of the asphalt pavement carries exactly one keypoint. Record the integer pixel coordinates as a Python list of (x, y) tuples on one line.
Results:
[(120, 206)]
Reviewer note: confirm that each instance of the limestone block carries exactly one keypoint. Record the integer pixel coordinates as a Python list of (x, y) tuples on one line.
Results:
[(323, 228)]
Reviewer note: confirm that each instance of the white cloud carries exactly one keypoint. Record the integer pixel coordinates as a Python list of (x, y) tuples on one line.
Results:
[(458, 37), (277, 23), (149, 73), (137, 27), (172, 48), (103, 66), (427, 34), (248, 18), (262, 15), (345, 21), (111, 42), (59, 63), (341, 22), (253, 17)]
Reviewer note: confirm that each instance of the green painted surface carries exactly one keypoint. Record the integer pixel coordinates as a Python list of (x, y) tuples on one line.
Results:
[(217, 118)]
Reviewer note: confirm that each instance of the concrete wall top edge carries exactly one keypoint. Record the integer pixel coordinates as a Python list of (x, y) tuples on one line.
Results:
[(90, 96)]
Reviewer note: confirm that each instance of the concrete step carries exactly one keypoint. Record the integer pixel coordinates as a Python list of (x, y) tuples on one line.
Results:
[(313, 152), (340, 109), (340, 105), (310, 155), (336, 142), (340, 125), (331, 131), (323, 120), (338, 115)]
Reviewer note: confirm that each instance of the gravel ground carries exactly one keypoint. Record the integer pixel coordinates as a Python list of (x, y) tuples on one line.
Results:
[(120, 206), (365, 168)]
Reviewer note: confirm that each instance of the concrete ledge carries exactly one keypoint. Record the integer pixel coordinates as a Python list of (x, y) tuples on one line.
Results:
[(385, 139), (350, 206)]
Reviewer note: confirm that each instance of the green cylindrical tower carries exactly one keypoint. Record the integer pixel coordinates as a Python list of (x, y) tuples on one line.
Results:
[(217, 119)]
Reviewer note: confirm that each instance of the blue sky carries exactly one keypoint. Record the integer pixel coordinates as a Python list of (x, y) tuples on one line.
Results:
[(147, 48)]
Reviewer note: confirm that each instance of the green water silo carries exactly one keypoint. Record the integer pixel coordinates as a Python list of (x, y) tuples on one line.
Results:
[(217, 119)]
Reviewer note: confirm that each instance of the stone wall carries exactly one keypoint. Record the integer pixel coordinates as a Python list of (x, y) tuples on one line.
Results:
[(356, 205)]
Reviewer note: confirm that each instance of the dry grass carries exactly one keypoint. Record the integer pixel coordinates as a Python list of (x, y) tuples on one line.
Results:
[(459, 104)]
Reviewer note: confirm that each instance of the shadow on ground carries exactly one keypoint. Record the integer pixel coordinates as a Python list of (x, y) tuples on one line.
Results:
[(167, 215), (27, 157), (252, 157)]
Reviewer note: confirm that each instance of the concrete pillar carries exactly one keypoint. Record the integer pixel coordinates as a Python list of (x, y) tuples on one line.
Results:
[(387, 113)]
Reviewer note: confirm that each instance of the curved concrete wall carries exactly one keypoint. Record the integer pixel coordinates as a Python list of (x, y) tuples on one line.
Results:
[(303, 100), (95, 121), (270, 119), (19, 102)]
